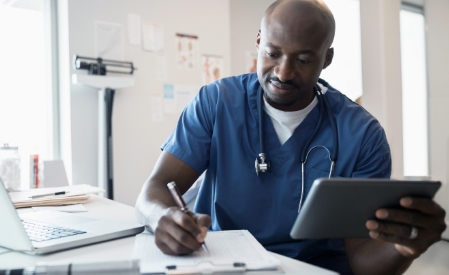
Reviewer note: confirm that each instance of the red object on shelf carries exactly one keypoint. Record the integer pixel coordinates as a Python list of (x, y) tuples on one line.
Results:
[(35, 170)]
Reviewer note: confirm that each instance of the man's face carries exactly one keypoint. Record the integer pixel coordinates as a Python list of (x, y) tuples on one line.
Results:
[(291, 54)]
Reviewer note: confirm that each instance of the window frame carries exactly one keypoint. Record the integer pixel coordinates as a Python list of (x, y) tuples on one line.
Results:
[(418, 9)]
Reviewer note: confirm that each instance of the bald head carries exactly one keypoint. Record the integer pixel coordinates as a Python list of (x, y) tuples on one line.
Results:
[(293, 47), (314, 11)]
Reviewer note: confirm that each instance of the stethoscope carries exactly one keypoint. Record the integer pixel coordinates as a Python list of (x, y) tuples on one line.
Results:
[(264, 165)]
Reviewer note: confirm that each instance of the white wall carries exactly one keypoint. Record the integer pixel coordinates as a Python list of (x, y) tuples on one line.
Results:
[(137, 138), (245, 17), (437, 21), (381, 71)]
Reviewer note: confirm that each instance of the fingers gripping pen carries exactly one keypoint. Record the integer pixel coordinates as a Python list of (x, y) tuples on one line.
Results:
[(181, 204)]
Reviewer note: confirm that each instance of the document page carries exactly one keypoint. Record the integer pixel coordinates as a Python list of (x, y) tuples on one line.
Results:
[(226, 248), (71, 191)]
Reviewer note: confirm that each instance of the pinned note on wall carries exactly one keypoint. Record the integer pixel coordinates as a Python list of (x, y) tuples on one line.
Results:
[(134, 30), (153, 36)]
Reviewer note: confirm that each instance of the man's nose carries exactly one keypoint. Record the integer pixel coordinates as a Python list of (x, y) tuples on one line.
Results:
[(285, 70)]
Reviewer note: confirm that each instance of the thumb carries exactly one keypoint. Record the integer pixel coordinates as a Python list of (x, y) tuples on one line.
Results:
[(203, 221)]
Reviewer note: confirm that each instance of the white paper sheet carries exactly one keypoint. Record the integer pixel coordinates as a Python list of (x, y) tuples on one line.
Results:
[(225, 247), (212, 68), (187, 51), (76, 208), (134, 31), (183, 95), (153, 36), (73, 190)]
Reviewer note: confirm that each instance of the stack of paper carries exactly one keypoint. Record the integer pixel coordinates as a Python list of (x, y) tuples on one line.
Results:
[(230, 251), (73, 194)]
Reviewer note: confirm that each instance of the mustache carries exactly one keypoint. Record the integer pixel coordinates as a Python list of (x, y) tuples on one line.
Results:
[(281, 84)]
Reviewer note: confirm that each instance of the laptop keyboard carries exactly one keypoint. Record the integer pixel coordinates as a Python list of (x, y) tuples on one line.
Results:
[(39, 232)]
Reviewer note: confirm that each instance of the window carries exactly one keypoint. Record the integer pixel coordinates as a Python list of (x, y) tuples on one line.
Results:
[(26, 86), (414, 92), (345, 72)]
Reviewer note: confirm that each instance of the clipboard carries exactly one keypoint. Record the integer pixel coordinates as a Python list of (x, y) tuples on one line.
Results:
[(233, 251), (206, 268)]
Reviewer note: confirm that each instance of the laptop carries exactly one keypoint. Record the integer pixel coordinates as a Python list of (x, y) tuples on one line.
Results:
[(50, 231)]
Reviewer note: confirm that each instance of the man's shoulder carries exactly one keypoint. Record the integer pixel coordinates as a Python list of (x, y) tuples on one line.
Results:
[(346, 110), (243, 82), (339, 102), (230, 90)]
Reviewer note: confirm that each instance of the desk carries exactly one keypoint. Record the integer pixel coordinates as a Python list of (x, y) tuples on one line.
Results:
[(121, 249)]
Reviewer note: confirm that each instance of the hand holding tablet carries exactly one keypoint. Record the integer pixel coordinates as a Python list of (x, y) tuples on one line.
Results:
[(341, 207)]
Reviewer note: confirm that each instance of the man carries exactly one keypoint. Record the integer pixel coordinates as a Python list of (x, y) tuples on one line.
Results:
[(219, 131)]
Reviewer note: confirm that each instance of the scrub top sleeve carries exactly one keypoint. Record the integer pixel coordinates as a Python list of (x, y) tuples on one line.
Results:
[(190, 140), (374, 160)]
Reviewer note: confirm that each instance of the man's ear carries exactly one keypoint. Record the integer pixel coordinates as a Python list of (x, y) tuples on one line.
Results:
[(258, 41), (329, 57)]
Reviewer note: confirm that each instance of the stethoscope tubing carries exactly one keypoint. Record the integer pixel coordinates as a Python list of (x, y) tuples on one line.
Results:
[(304, 153)]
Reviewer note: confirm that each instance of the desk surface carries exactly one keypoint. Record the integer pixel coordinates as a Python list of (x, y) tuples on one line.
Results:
[(121, 249)]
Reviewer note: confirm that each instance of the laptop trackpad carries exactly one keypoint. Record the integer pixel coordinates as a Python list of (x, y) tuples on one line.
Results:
[(57, 218)]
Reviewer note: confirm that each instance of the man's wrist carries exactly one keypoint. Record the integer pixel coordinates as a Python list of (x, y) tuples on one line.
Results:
[(149, 214)]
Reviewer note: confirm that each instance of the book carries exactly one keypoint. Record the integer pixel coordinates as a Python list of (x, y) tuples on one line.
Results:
[(230, 251)]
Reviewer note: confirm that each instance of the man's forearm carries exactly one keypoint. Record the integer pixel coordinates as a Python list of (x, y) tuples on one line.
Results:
[(152, 203), (371, 257)]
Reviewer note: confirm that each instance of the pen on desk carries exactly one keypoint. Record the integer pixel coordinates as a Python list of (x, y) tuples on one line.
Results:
[(49, 194), (181, 204)]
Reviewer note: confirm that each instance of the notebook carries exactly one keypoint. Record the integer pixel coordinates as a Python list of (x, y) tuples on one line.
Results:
[(49, 231)]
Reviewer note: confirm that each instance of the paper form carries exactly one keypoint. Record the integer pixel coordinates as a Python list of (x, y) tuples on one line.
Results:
[(225, 247), (73, 190), (153, 36)]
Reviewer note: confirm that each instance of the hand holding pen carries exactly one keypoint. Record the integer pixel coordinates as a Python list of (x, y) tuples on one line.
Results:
[(183, 207)]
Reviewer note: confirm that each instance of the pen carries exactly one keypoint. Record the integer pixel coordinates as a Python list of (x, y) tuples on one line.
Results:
[(49, 194), (181, 204)]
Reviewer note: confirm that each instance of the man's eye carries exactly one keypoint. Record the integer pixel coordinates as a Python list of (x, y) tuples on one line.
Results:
[(271, 54), (303, 61)]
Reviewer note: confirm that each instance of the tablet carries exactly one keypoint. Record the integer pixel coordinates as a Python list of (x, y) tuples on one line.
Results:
[(340, 207)]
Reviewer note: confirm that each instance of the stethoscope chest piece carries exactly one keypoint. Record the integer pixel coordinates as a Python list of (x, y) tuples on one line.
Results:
[(263, 165)]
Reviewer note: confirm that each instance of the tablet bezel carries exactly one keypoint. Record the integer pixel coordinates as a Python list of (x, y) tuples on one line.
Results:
[(340, 207)]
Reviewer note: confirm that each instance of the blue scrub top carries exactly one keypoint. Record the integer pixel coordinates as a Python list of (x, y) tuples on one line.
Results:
[(219, 131)]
